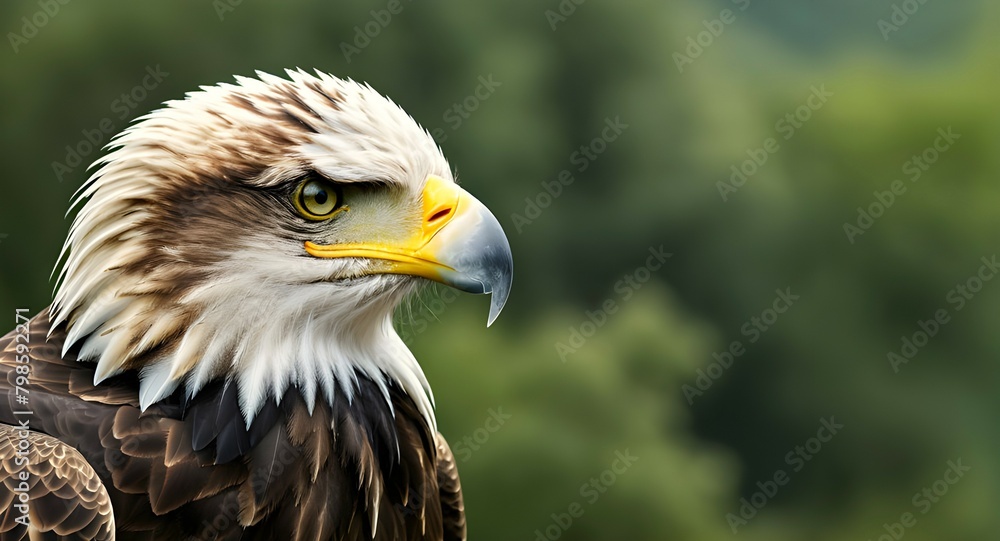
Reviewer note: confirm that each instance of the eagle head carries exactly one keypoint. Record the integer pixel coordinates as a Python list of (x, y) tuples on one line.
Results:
[(263, 233)]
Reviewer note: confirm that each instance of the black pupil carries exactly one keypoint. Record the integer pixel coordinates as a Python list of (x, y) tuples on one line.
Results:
[(320, 196)]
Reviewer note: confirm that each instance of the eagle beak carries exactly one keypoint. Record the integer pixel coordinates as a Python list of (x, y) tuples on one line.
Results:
[(460, 243)]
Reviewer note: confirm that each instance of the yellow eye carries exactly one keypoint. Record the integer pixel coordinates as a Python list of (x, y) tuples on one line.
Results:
[(316, 199)]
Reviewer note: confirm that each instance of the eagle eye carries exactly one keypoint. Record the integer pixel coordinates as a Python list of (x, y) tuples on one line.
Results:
[(316, 199)]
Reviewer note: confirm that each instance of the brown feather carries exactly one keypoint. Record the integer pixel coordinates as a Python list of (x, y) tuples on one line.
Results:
[(342, 472), (66, 496)]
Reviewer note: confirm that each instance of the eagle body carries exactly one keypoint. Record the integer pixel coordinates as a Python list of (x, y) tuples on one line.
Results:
[(190, 469), (219, 361)]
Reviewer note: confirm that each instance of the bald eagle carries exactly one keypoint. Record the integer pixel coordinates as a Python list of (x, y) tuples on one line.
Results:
[(219, 360)]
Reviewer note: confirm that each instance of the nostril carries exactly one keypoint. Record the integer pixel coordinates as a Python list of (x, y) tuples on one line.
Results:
[(439, 215)]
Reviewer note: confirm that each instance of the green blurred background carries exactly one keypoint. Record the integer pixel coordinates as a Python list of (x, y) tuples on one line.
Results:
[(886, 93)]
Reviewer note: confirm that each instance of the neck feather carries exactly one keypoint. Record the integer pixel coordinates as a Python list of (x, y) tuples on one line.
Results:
[(266, 337)]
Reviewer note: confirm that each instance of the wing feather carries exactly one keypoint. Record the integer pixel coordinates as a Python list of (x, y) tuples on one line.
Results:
[(65, 495), (452, 505)]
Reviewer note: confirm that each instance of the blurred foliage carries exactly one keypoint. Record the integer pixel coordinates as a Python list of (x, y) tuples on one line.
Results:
[(657, 184)]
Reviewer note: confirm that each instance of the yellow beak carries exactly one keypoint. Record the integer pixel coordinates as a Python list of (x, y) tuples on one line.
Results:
[(460, 243)]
